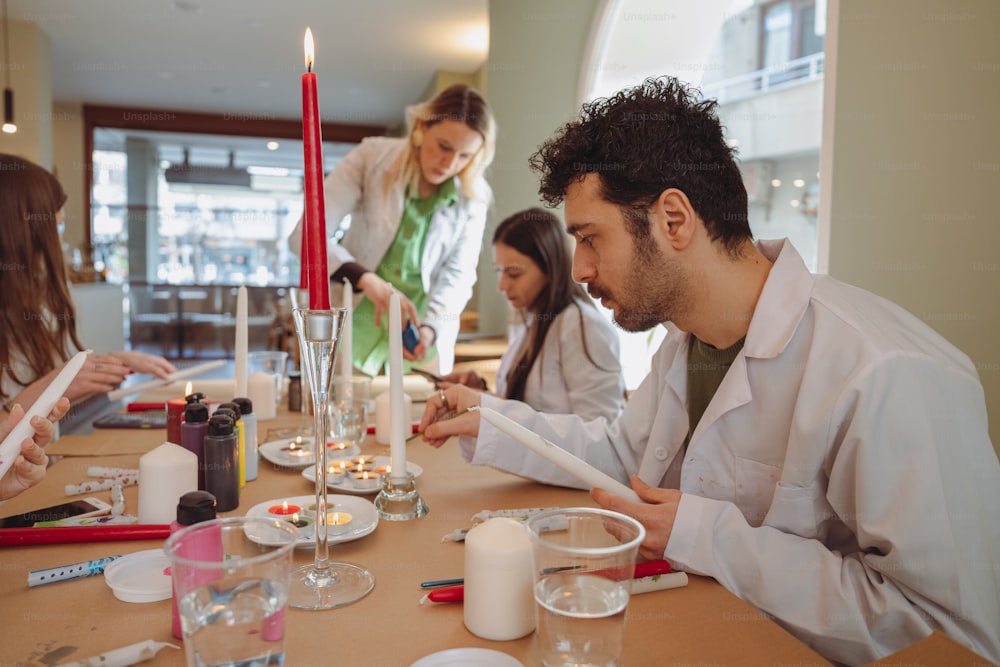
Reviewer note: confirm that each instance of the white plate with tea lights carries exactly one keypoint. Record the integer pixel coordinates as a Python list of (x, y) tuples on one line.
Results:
[(348, 517), (297, 452), (360, 475)]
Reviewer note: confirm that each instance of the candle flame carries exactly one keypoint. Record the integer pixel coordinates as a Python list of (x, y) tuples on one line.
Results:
[(188, 388), (309, 49), (295, 518), (284, 506)]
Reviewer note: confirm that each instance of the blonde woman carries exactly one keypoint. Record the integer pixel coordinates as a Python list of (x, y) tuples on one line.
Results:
[(418, 209)]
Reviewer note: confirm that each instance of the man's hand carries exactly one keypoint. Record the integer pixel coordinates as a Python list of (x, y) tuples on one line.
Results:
[(656, 513), (439, 421)]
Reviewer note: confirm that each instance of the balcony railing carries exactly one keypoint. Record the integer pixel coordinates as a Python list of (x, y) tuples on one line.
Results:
[(776, 77)]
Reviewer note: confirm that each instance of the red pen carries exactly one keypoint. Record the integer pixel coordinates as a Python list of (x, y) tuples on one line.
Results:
[(145, 407), (457, 593), (10, 537)]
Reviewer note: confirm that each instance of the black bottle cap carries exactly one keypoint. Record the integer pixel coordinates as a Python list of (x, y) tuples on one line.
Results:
[(245, 405), (232, 406), (194, 397), (195, 507), (220, 425), (196, 412)]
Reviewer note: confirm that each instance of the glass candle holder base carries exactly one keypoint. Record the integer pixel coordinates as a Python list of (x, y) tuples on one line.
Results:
[(398, 499), (337, 585)]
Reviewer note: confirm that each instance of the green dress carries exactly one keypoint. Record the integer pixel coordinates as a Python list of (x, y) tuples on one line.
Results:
[(400, 267)]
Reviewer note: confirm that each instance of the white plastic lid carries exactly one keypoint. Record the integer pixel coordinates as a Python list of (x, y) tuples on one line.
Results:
[(140, 577)]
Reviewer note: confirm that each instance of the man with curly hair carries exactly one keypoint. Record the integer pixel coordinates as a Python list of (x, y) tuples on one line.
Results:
[(818, 450)]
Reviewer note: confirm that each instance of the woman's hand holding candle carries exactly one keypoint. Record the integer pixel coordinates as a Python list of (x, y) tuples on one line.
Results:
[(447, 414), (30, 461)]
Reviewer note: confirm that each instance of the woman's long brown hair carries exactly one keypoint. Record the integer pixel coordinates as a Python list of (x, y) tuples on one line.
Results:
[(37, 315), (539, 235)]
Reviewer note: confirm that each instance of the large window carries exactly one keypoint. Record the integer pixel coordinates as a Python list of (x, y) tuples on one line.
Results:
[(791, 29)]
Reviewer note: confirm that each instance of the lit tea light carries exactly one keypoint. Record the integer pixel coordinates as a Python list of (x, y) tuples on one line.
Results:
[(299, 521), (335, 474), (284, 509), (366, 480), (363, 460), (298, 447), (341, 446), (384, 470), (339, 522)]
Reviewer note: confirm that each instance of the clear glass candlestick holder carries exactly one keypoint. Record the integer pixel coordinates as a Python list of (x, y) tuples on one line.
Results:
[(323, 584), (398, 499)]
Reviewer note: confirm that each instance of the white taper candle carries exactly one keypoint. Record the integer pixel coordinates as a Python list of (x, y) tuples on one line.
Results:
[(346, 364), (242, 341), (397, 400), (557, 456), (10, 448)]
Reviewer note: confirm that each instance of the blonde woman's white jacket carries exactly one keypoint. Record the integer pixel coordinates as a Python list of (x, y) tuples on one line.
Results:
[(357, 186), (841, 480)]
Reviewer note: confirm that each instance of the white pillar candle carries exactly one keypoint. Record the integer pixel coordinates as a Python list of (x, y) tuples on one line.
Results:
[(399, 410), (260, 390), (499, 603), (558, 456), (10, 448), (346, 365), (165, 474), (242, 341)]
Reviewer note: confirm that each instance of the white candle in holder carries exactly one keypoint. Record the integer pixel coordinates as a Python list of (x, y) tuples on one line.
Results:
[(398, 405), (242, 338), (346, 365)]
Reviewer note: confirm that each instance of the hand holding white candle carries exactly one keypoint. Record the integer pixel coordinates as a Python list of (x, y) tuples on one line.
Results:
[(242, 342), (556, 455), (11, 445), (397, 436)]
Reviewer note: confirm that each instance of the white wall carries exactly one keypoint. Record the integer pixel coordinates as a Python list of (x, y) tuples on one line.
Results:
[(912, 134), (531, 76)]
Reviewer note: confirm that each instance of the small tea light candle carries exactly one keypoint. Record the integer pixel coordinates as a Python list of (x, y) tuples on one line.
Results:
[(299, 521), (335, 474), (338, 522), (364, 460), (366, 480), (284, 509), (298, 447)]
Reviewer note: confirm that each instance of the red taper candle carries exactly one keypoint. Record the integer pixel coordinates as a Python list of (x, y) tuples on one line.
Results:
[(315, 210)]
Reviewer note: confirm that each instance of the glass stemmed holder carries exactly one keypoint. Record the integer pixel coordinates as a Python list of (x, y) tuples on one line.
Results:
[(323, 584)]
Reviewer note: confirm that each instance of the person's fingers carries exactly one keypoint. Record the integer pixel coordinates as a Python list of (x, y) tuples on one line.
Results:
[(59, 410)]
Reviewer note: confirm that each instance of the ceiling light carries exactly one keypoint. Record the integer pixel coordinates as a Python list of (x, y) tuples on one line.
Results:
[(776, 183), (8, 95), (190, 174), (799, 183), (272, 145)]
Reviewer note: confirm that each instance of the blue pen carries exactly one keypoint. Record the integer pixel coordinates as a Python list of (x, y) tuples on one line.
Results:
[(66, 572)]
